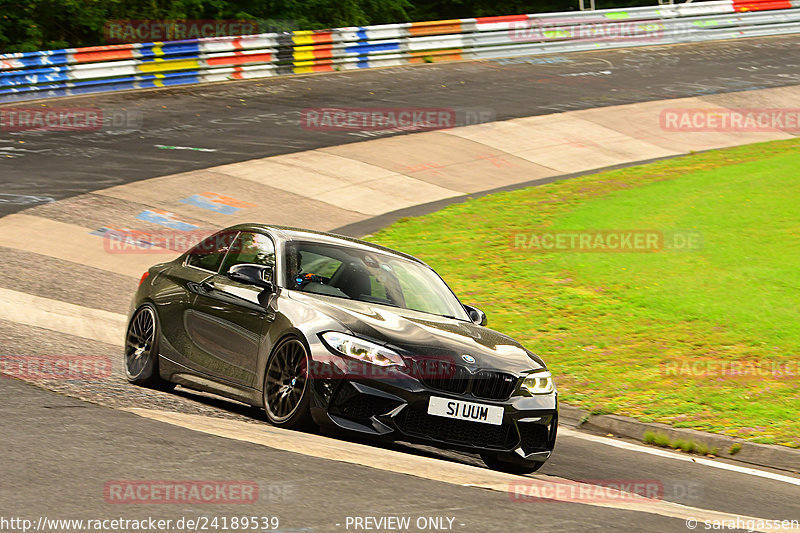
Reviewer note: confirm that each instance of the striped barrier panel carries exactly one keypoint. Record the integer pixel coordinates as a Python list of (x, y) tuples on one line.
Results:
[(53, 73)]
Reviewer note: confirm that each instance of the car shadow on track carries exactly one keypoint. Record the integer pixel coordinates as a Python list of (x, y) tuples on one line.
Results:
[(234, 407)]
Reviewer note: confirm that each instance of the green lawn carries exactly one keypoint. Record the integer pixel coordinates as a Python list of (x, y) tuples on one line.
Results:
[(707, 338)]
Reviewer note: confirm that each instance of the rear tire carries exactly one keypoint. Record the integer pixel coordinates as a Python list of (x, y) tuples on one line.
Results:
[(517, 466), (141, 350), (287, 386)]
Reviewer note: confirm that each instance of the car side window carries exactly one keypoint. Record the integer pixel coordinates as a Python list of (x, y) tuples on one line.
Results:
[(211, 251), (252, 248), (334, 272)]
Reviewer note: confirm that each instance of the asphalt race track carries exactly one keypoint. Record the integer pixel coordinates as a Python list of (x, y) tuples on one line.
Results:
[(61, 452), (246, 120)]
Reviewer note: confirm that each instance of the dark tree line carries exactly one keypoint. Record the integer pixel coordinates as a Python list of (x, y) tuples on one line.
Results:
[(27, 25)]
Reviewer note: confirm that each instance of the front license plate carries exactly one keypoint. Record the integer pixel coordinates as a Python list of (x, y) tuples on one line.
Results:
[(474, 412)]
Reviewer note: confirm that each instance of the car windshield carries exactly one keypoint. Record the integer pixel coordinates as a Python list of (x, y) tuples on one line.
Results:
[(369, 276)]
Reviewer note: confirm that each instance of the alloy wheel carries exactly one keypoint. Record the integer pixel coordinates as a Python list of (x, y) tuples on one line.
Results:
[(139, 342), (286, 380)]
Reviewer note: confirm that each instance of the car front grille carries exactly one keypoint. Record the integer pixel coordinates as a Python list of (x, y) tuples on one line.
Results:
[(449, 378), (458, 432), (486, 384), (493, 385)]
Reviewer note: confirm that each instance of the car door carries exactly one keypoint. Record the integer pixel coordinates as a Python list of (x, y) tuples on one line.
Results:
[(177, 289), (227, 322)]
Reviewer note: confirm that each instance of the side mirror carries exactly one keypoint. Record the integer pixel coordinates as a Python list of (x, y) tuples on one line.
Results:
[(476, 315), (258, 275)]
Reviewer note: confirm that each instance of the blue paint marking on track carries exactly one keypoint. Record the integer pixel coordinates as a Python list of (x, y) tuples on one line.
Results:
[(165, 218)]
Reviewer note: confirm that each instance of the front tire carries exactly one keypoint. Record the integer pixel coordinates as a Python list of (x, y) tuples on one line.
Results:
[(141, 350), (287, 386), (517, 466)]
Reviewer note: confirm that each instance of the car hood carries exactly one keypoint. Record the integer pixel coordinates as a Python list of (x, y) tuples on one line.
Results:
[(416, 334)]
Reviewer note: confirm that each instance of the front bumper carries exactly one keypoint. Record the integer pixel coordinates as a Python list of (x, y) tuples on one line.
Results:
[(395, 407)]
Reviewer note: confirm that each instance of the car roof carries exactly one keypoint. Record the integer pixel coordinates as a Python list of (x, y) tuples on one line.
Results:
[(288, 233)]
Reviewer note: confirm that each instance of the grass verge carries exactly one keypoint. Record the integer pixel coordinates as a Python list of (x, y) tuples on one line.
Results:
[(706, 339), (688, 446)]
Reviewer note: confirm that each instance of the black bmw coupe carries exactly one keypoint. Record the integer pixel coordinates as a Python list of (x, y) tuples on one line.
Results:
[(322, 329)]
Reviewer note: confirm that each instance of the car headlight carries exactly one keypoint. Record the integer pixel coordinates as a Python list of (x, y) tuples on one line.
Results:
[(539, 383), (361, 349)]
